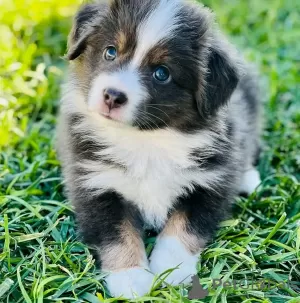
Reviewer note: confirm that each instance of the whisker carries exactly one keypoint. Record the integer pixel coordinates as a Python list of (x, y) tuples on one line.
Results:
[(155, 107), (137, 122), (148, 119), (143, 120), (160, 110), (158, 119), (168, 105)]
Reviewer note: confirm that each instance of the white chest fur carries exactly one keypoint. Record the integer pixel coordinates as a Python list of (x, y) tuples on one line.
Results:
[(156, 166)]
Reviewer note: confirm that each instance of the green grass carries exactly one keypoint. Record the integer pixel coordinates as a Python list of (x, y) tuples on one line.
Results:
[(41, 259)]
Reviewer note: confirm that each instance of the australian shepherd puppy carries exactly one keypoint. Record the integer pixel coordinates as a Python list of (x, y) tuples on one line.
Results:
[(158, 130)]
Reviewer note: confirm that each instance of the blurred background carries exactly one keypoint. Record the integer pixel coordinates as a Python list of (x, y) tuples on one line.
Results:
[(39, 252)]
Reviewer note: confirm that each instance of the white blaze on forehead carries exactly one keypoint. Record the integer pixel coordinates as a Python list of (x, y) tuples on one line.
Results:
[(126, 80), (160, 23)]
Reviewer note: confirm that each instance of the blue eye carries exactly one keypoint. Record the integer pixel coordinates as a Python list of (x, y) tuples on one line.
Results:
[(110, 53), (162, 74)]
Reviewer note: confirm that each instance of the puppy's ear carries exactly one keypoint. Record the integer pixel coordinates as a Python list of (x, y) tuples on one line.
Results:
[(83, 26), (224, 70)]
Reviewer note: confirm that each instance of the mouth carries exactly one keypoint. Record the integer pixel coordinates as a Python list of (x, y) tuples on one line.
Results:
[(113, 115), (106, 115)]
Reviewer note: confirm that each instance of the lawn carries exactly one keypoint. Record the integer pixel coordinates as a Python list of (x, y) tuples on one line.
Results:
[(42, 260)]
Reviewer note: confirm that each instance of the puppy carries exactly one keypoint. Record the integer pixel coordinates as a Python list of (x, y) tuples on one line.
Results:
[(158, 129)]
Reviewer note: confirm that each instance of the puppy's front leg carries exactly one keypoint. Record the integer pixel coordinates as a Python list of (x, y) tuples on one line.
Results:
[(113, 227), (178, 247), (185, 235)]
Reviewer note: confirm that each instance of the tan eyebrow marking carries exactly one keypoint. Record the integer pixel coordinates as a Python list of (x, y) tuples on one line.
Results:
[(121, 41), (155, 56)]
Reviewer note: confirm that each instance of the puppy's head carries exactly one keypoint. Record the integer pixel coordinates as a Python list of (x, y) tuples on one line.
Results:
[(151, 63)]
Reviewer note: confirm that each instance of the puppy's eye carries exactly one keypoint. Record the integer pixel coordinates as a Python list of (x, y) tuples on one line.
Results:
[(110, 53), (162, 74)]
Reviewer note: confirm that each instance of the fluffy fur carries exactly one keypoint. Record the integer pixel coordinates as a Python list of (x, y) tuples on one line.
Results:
[(175, 155)]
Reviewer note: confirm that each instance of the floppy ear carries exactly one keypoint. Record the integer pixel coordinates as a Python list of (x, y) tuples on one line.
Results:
[(83, 26), (222, 77)]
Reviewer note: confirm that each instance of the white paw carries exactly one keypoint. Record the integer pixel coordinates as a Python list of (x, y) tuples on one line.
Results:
[(169, 253), (250, 181), (129, 283)]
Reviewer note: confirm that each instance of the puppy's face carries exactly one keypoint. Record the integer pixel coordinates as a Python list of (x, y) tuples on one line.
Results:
[(150, 63)]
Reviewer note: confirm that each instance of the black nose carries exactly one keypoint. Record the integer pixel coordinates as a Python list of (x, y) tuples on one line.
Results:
[(114, 98)]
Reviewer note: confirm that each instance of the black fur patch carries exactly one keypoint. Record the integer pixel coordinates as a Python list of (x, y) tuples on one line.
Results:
[(257, 156), (85, 148), (250, 89), (205, 209), (100, 218), (220, 155), (81, 31), (82, 145), (84, 16), (222, 79), (214, 161)]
